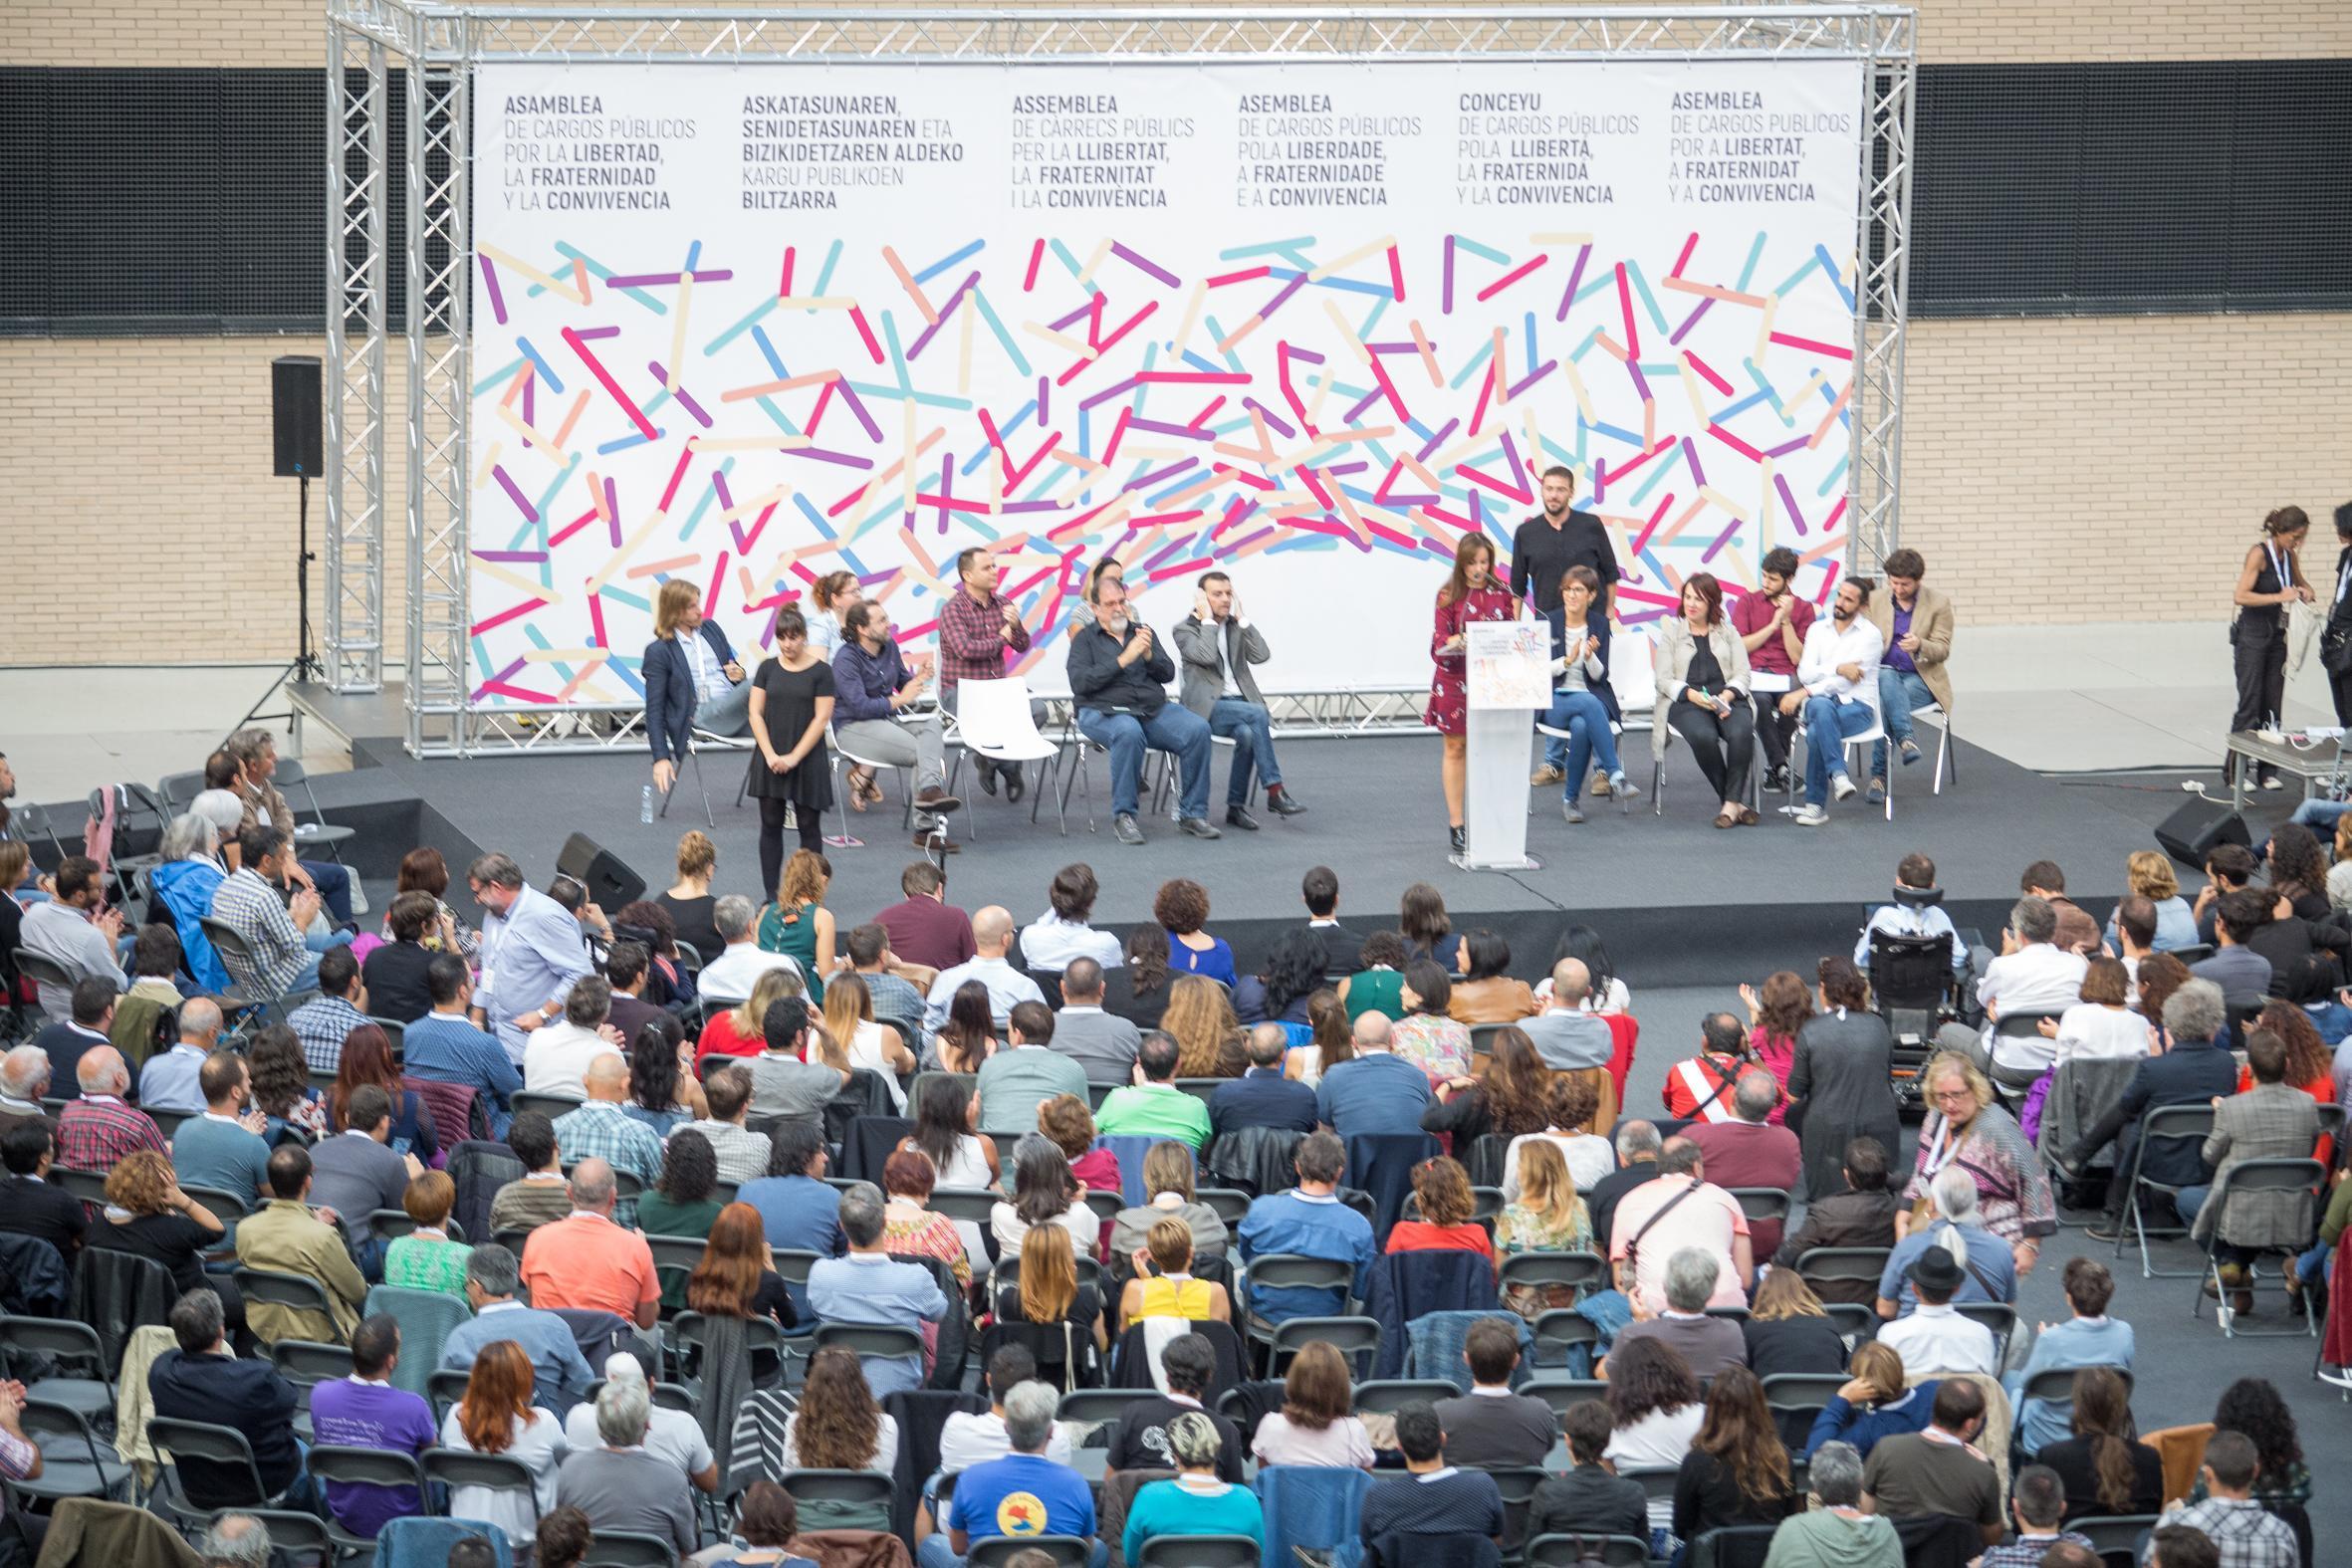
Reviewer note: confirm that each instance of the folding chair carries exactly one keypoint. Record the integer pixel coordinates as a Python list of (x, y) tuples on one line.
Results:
[(677, 777), (969, 1205), (1568, 1551), (318, 833), (1559, 1331), (1999, 1317), (71, 1343), (2303, 1177), (73, 1464), (629, 1549), (1387, 1395), (361, 1467), (298, 1291), (2175, 1123), (503, 1473), (550, 1106), (1232, 1204), (2055, 1388), (1762, 1203), (174, 1439), (1089, 1411), (1290, 1271), (1562, 1393), (1198, 1551), (2116, 1537)]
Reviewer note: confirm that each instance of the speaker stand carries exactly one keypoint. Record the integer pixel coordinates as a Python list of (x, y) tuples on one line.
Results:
[(305, 664)]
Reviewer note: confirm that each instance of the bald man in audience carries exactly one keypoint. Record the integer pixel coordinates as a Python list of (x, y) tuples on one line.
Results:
[(600, 1129), (1565, 1033), (992, 935)]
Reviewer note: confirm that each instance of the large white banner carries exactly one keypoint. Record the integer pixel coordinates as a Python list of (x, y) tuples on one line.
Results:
[(1305, 324)]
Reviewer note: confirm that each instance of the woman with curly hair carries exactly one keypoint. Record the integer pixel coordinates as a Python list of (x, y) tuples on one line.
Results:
[(1210, 1041), (1737, 1472), (280, 1085), (909, 1227), (689, 901), (147, 1215), (1441, 1191), (2299, 872), (1332, 1040), (969, 1037), (1044, 1193), (1546, 1217), (1065, 1119), (683, 1203), (838, 1427), (1774, 1014), (2253, 1406), (1182, 908), (1572, 1101), (1424, 1035), (496, 1416), (368, 1058), (799, 924), (1654, 1401), (1487, 994), (1511, 1096), (2310, 1066), (663, 1093), (1379, 986), (2104, 1469), (1840, 1075), (1279, 994), (1138, 990)]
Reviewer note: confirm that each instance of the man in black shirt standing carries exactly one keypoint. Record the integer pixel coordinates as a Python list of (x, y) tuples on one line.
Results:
[(1542, 551)]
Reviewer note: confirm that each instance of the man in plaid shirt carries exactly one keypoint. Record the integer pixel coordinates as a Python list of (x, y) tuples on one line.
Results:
[(284, 958), (97, 1131), (323, 1025), (2247, 1534), (2039, 1502), (601, 1130), (975, 627)]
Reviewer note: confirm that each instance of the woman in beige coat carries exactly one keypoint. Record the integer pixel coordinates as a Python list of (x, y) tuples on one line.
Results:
[(1702, 666)]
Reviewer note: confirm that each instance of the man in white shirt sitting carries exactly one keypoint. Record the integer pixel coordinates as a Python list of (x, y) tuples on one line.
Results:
[(2031, 976), (672, 1434), (1935, 1339), (992, 937), (1836, 693), (557, 1056), (739, 966)]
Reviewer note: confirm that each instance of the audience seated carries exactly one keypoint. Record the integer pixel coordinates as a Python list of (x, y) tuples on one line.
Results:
[(662, 1093), (1181, 907), (589, 1263), (911, 1229), (223, 1149), (1699, 1087), (1988, 1264), (445, 1047), (1374, 1091), (1511, 1096), (357, 1172), (1571, 1101), (1314, 1425), (1163, 1286), (1707, 1345), (1569, 1032), (2246, 936), (1786, 1329), (2101, 1027), (1737, 1472), (1878, 1401), (1589, 1498), (147, 1215), (1198, 1501), (1027, 1072), (1264, 1095), (1938, 1469), (284, 941), (1490, 1426), (838, 1427), (1545, 1216), (97, 1130), (2248, 1535), (1424, 1033), (2101, 1467), (555, 1368), (85, 1028), (1050, 1294), (1377, 984), (1294, 970), (1861, 1215), (867, 1286), (1748, 1150), (742, 1154), (323, 1023), (537, 1196), (28, 1203), (924, 929), (732, 974), (1486, 991), (1044, 1193), (1917, 911), (1680, 1209), (1309, 1221), (364, 1411), (620, 1484), (1206, 1030), (2038, 1503), (674, 1436), (1933, 1337), (991, 940), (968, 1440), (1024, 1494), (1139, 1439), (1654, 1400), (2193, 1068), (2254, 1406), (2033, 974), (169, 1081), (602, 1129), (1102, 1043), (1168, 1180), (200, 1379), (427, 1259), (1839, 1533), (1637, 1144), (285, 1236), (1441, 1188), (2090, 1338), (556, 1060), (73, 930), (2269, 1121)]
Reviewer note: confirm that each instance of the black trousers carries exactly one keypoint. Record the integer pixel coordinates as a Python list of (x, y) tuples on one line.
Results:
[(812, 831), (1776, 729), (2339, 688), (1723, 748), (2257, 657)]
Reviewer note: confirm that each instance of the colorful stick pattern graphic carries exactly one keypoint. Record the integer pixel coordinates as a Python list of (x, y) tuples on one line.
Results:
[(753, 416)]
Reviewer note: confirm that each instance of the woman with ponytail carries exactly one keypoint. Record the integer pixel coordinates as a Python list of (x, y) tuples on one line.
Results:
[(2269, 579)]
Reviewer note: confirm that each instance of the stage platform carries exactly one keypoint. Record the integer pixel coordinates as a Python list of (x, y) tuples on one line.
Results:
[(1679, 902)]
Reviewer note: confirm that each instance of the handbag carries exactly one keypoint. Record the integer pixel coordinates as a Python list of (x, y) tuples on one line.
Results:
[(2336, 650)]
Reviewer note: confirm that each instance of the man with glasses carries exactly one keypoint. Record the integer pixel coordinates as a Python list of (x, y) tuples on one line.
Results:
[(532, 952)]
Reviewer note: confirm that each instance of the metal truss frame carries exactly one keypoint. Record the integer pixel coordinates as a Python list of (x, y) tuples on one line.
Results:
[(436, 47)]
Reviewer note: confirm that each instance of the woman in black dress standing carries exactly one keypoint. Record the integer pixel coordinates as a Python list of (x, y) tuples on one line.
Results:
[(791, 703), (2270, 579), (1843, 1056)]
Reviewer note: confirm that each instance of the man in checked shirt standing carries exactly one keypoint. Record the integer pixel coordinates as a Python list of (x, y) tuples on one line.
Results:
[(976, 628)]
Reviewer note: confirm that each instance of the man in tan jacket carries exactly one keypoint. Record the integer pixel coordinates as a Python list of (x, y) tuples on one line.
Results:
[(285, 1237), (1916, 622)]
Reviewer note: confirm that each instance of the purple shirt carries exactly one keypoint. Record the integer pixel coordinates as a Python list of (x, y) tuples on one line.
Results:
[(1896, 658), (347, 1413)]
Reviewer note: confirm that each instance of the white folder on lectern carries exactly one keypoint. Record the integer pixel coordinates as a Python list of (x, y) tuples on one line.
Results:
[(1509, 664)]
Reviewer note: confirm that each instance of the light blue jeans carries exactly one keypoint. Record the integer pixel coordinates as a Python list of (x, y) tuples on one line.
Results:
[(1251, 729), (1587, 723), (1176, 728), (1828, 722), (1899, 691)]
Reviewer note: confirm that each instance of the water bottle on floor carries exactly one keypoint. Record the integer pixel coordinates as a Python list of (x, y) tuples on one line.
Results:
[(645, 809)]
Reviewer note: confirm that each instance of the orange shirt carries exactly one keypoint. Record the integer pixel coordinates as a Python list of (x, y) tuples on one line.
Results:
[(588, 1263), (1419, 1236)]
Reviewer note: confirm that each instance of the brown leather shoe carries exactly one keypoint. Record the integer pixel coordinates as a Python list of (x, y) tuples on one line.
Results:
[(944, 845), (933, 799)]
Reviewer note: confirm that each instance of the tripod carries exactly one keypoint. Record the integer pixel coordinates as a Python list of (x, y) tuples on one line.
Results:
[(305, 665)]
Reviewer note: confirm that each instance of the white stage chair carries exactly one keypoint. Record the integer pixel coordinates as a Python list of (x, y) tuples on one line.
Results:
[(993, 721), (1857, 747)]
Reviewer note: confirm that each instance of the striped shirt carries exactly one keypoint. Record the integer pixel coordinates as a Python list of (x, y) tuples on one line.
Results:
[(252, 908)]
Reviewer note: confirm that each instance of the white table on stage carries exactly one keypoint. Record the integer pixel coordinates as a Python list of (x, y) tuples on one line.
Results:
[(1510, 676)]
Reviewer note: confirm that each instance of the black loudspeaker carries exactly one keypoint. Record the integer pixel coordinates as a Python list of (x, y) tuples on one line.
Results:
[(2189, 833), (297, 438), (610, 883)]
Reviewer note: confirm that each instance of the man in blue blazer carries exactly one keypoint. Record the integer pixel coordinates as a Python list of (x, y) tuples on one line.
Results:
[(692, 680)]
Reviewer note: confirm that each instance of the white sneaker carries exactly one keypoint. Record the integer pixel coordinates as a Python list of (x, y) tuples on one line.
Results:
[(1841, 785), (1812, 815)]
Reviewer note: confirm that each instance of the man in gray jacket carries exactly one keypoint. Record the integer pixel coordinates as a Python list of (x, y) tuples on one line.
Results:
[(1218, 645)]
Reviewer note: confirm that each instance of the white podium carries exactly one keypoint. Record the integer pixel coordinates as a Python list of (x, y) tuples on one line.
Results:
[(1509, 667)]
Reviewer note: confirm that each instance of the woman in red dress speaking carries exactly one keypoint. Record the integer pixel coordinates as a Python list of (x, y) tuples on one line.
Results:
[(1472, 594)]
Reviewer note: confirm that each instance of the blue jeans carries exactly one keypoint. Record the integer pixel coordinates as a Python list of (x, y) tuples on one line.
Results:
[(1175, 728), (1251, 729), (1899, 691), (1597, 626), (333, 879), (308, 979), (1828, 721), (937, 1553), (2311, 1268), (1580, 713)]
